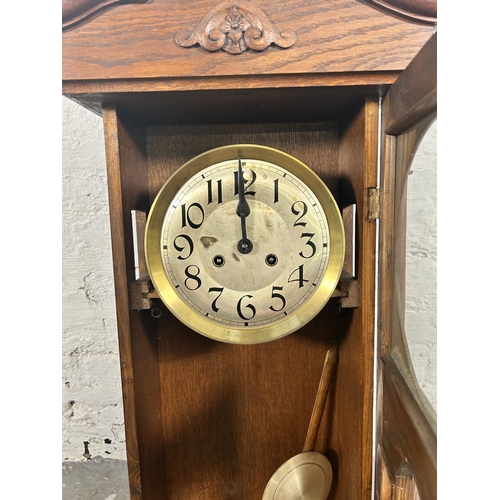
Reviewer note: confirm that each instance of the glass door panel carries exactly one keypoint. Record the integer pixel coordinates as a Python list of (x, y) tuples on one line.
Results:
[(414, 335)]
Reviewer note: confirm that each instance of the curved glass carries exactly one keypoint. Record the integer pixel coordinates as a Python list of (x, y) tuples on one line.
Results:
[(414, 321), (421, 265)]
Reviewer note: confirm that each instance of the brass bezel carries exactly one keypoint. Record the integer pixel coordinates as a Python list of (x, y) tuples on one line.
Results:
[(205, 326)]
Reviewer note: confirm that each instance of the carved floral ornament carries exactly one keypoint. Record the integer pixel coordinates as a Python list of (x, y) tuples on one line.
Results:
[(235, 28)]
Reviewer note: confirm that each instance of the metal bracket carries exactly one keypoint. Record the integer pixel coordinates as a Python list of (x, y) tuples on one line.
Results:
[(143, 294), (373, 203)]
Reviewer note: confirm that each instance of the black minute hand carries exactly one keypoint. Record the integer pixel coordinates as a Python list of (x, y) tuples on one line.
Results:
[(242, 211)]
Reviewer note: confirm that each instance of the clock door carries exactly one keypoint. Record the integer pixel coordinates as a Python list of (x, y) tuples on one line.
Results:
[(406, 421)]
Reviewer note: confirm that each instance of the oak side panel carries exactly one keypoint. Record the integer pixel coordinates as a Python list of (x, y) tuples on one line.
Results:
[(386, 240), (127, 184), (233, 414), (354, 391), (137, 42)]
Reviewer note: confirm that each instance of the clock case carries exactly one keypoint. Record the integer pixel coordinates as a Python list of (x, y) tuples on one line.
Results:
[(206, 419)]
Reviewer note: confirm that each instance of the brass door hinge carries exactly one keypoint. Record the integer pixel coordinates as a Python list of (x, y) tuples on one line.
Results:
[(373, 204)]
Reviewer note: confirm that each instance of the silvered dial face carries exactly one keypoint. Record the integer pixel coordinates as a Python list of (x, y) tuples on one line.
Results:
[(244, 244), (285, 232)]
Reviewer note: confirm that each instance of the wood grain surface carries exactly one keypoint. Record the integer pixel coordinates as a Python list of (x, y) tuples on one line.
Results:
[(272, 99), (406, 426), (77, 11), (320, 401), (138, 41), (207, 420), (416, 10), (406, 435), (127, 185), (357, 171), (233, 414)]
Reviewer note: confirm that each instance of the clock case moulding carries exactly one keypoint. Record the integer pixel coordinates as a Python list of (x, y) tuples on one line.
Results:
[(206, 419)]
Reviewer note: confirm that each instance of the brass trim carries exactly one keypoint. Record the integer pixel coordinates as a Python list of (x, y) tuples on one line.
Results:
[(251, 334), (373, 203)]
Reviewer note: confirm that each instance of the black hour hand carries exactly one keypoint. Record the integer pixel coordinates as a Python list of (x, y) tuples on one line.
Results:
[(243, 211), (243, 208)]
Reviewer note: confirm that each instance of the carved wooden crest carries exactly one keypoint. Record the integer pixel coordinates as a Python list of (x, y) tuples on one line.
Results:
[(234, 28)]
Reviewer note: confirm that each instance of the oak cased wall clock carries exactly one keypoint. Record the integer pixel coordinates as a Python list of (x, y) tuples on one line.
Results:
[(248, 136)]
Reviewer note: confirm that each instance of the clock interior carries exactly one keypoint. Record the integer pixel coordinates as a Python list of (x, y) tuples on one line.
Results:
[(216, 420)]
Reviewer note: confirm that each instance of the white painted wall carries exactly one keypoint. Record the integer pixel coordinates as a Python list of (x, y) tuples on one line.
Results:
[(92, 407)]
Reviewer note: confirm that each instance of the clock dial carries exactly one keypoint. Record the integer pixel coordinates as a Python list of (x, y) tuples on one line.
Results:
[(245, 249)]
